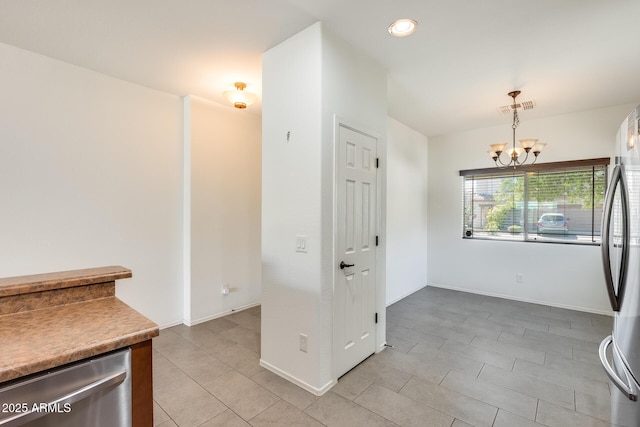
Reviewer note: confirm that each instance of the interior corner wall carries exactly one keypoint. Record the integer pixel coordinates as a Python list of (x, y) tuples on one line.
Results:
[(556, 274), (90, 176), (303, 89), (225, 205), (407, 178)]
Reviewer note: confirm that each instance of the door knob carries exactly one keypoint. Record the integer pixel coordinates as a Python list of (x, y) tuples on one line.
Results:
[(343, 265)]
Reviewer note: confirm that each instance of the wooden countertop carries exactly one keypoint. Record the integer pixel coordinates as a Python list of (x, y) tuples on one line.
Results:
[(36, 335)]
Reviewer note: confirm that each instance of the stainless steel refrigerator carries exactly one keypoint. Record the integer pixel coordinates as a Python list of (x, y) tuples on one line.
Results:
[(620, 351)]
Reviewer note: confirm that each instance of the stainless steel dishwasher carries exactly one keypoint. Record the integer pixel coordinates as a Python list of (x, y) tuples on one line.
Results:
[(95, 392)]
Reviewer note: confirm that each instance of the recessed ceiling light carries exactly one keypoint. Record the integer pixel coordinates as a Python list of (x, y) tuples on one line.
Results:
[(402, 27)]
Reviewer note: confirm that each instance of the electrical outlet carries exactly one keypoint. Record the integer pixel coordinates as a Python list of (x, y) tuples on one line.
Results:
[(519, 278), (303, 343), (225, 289)]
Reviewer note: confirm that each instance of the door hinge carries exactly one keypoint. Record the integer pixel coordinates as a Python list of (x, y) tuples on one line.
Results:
[(377, 162), (376, 317), (377, 240)]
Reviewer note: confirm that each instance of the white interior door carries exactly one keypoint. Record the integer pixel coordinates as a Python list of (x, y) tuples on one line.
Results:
[(355, 282)]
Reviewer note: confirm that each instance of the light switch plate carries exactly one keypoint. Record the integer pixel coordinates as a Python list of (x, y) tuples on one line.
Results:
[(301, 243)]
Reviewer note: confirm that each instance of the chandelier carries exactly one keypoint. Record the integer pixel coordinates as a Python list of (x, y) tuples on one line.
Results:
[(514, 153)]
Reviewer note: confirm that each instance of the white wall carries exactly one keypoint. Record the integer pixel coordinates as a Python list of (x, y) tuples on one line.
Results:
[(90, 175), (556, 274), (225, 208), (304, 81), (406, 211), (291, 205)]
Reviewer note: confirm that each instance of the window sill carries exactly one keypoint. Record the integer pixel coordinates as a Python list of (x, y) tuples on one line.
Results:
[(568, 240)]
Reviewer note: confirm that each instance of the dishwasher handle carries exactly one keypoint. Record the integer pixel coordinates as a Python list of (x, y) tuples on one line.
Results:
[(625, 387), (103, 383)]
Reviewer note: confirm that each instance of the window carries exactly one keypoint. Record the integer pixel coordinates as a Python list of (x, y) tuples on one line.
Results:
[(547, 202)]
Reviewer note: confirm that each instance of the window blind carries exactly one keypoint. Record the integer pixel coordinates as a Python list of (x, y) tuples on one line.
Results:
[(550, 202)]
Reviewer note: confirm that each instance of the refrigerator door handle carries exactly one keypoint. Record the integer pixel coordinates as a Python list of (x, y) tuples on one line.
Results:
[(618, 179), (626, 387)]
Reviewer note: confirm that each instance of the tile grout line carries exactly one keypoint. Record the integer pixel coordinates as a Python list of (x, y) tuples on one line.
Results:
[(265, 409)]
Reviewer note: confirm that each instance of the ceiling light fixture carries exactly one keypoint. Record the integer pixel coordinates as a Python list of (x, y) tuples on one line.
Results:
[(402, 27), (239, 97), (526, 145)]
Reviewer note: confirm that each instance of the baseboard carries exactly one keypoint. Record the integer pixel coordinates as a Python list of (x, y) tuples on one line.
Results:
[(311, 389), (170, 325), (529, 300), (405, 295), (222, 314)]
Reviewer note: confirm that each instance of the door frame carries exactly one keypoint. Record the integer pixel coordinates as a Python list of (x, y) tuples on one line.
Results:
[(380, 250)]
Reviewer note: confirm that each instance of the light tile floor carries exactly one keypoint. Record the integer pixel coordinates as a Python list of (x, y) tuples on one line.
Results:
[(457, 360)]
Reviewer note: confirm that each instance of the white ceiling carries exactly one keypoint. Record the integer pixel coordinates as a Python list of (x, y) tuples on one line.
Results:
[(567, 55)]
